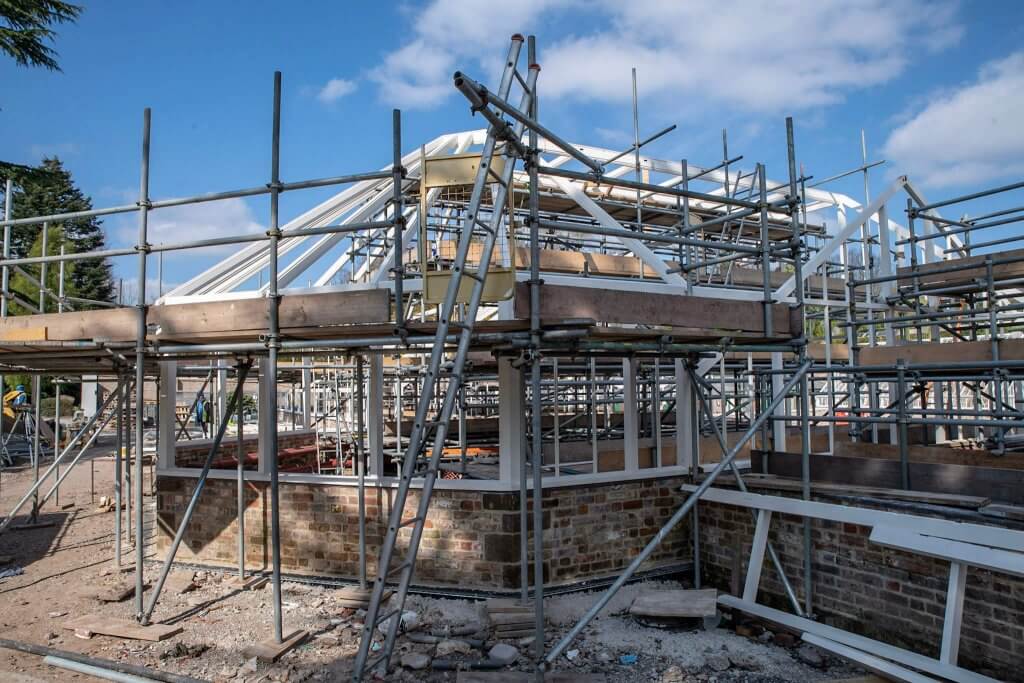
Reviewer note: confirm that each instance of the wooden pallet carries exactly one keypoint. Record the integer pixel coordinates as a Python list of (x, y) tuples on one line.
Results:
[(121, 628)]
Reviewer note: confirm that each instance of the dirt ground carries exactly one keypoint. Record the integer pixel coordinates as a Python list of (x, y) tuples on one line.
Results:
[(65, 566)]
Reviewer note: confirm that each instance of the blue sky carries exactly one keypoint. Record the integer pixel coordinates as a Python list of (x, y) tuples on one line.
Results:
[(937, 87)]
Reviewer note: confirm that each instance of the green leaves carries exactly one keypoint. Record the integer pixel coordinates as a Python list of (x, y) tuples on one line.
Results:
[(26, 27)]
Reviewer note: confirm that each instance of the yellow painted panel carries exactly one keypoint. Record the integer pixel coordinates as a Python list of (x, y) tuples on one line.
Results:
[(499, 285), (457, 169)]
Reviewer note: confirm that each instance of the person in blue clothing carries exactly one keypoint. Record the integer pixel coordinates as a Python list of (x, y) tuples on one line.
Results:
[(202, 412), (22, 398)]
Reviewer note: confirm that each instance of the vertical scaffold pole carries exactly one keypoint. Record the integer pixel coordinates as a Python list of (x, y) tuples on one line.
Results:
[(766, 245), (8, 208), (44, 252), (56, 426), (240, 437), (796, 243), (273, 345), (119, 445), (360, 456), (140, 360), (36, 397), (536, 451), (397, 174), (6, 272)]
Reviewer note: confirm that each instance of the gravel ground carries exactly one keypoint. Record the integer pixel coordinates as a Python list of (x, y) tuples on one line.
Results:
[(67, 563)]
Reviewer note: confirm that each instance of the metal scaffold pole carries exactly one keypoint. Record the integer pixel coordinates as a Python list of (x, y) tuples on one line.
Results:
[(360, 461), (796, 242), (8, 210), (140, 366), (118, 446), (273, 345), (537, 447), (193, 502), (240, 446)]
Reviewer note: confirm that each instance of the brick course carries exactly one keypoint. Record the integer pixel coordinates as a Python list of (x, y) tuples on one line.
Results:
[(471, 538), (882, 593)]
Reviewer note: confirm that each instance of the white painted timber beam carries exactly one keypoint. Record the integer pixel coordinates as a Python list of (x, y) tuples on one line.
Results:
[(837, 240), (978, 534), (576, 193)]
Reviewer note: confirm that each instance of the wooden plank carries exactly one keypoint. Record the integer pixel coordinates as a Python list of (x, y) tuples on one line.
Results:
[(514, 633), (271, 650), (1004, 485), (717, 316), (1006, 539), (122, 628), (508, 605), (891, 671), (110, 324), (296, 311), (769, 481), (208, 318), (968, 553), (931, 454), (876, 647), (676, 603), (815, 350), (25, 334), (931, 352), (927, 276), (511, 618), (937, 352), (249, 583)]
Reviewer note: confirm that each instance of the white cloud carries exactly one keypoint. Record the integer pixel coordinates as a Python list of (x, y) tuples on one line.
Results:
[(335, 89), (196, 222), (751, 55), (969, 134)]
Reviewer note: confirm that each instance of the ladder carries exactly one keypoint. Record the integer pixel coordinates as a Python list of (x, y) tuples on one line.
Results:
[(442, 378)]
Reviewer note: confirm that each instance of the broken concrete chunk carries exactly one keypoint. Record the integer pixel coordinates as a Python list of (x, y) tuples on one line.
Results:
[(673, 674), (449, 647), (745, 661), (811, 656), (503, 653), (718, 662)]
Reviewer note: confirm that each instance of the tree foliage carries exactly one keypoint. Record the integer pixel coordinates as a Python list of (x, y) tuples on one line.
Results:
[(26, 26), (53, 191)]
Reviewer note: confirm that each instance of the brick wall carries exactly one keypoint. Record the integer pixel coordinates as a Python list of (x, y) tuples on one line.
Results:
[(193, 453), (885, 594), (471, 539)]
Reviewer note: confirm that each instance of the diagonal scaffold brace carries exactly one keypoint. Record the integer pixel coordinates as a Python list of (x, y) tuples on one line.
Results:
[(678, 516)]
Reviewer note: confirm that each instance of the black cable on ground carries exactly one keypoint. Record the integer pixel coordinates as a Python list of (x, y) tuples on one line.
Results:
[(120, 667)]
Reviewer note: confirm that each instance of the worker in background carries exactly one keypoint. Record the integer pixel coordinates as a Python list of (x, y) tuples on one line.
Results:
[(202, 408)]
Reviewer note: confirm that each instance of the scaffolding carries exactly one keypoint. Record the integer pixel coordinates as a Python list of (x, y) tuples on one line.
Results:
[(523, 289)]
